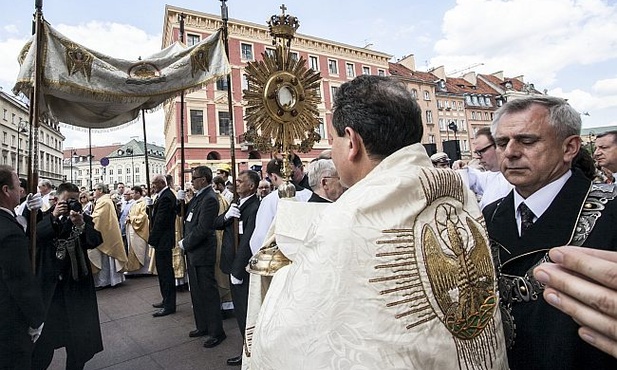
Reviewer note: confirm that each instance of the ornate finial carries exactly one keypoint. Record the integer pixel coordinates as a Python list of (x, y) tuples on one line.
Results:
[(283, 27)]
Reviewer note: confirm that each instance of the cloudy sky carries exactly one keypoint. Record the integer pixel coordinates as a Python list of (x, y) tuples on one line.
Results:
[(568, 47)]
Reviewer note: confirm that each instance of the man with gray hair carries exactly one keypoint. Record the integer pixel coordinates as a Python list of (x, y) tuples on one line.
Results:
[(552, 204), (45, 188), (324, 180)]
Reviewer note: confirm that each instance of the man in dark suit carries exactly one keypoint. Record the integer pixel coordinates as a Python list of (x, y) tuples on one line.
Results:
[(64, 236), (236, 250), (552, 205), (324, 181), (162, 239), (21, 304), (199, 244)]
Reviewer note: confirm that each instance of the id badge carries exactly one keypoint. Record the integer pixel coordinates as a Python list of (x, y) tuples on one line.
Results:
[(189, 217)]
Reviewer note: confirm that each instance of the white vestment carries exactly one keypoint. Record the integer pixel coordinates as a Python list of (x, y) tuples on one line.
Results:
[(490, 186), (396, 274)]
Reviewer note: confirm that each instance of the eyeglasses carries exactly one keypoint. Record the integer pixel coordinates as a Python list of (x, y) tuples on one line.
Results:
[(331, 177), (481, 152)]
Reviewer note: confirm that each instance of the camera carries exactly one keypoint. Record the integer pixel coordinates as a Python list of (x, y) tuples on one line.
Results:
[(73, 205)]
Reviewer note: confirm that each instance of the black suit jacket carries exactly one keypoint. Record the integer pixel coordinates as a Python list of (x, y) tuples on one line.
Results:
[(199, 234), (234, 262), (163, 221), (21, 304), (72, 309), (546, 338)]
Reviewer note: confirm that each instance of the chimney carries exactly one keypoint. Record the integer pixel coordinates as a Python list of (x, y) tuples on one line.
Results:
[(440, 72), (520, 78), (498, 74), (470, 77), (409, 62)]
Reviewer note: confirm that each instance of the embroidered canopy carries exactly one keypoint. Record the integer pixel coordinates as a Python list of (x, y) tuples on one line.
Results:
[(84, 88)]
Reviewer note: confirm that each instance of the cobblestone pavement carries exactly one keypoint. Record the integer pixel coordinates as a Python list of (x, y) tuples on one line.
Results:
[(134, 340)]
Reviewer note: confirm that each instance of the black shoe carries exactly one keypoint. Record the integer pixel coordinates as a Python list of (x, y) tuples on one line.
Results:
[(234, 361), (197, 333), (214, 341), (163, 312), (158, 305)]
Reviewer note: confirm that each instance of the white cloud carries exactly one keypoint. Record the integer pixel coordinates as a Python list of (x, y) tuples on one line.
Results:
[(536, 38), (607, 86), (11, 28)]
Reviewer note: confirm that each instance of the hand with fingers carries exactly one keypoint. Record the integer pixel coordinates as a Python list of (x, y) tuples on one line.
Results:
[(582, 282)]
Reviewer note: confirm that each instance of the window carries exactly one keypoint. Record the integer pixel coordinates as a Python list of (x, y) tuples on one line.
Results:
[(294, 56), (427, 95), (414, 93), (128, 179), (486, 116), (197, 122), (473, 115), (429, 117), (5, 138), (224, 124), (247, 51), (366, 70), (270, 52), (431, 138), (442, 124), (381, 72), (136, 169), (468, 99), (333, 90), (245, 82), (321, 130), (4, 115), (111, 172), (96, 171), (119, 171), (474, 100), (137, 179), (349, 68), (13, 118), (221, 84), (128, 170), (314, 63), (318, 91), (487, 101), (333, 66), (192, 39)]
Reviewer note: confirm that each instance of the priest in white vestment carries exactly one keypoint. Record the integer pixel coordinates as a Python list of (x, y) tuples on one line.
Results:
[(397, 274)]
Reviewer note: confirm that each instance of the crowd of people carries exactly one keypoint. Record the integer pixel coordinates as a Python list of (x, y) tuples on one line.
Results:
[(415, 262)]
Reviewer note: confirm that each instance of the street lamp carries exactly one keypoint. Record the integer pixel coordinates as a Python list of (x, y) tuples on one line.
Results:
[(73, 155), (591, 138), (21, 129)]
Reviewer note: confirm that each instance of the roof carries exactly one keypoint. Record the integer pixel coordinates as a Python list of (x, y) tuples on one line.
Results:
[(98, 152), (402, 71)]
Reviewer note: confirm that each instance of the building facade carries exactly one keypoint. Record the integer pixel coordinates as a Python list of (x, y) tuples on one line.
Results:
[(207, 123), (15, 140), (112, 164)]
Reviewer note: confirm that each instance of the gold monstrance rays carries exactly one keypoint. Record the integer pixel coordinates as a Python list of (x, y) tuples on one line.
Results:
[(282, 95)]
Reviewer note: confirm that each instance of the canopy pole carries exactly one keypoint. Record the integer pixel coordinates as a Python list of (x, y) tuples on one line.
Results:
[(90, 155), (182, 158), (232, 136), (143, 117), (33, 165)]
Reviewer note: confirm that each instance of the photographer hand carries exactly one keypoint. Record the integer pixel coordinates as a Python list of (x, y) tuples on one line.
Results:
[(60, 209), (76, 218)]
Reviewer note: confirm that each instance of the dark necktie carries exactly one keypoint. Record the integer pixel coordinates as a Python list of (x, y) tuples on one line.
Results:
[(526, 217)]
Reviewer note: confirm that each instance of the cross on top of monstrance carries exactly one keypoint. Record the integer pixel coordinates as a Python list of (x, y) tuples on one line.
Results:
[(281, 114), (282, 96)]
